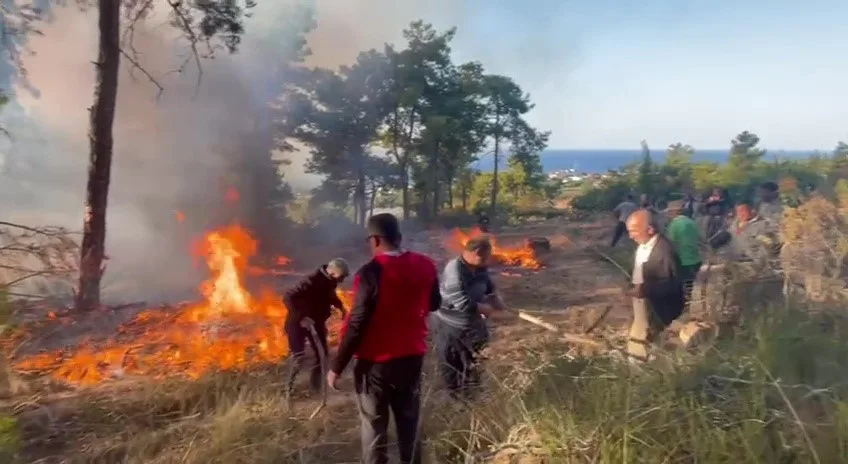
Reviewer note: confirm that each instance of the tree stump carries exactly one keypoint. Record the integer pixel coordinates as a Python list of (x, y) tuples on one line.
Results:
[(538, 244)]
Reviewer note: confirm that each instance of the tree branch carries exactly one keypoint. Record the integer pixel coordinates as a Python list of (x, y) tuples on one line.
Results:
[(150, 77)]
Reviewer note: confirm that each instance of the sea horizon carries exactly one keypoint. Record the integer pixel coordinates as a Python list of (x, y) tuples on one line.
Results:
[(599, 160)]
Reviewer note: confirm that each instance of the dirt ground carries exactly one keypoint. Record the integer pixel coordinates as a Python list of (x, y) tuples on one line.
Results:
[(574, 287)]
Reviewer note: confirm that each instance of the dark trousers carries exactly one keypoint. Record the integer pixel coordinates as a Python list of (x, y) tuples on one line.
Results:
[(394, 386), (457, 350), (689, 274), (298, 336), (620, 229)]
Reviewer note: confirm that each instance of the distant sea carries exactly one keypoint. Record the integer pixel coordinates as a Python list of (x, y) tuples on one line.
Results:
[(598, 161)]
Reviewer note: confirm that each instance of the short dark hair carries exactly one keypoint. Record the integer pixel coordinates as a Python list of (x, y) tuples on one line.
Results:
[(769, 186), (480, 244), (385, 225), (748, 203)]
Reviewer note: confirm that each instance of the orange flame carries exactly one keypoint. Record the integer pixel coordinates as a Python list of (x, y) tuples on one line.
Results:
[(231, 329), (520, 255)]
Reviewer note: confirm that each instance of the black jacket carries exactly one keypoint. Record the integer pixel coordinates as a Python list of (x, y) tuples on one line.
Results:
[(312, 297), (663, 282)]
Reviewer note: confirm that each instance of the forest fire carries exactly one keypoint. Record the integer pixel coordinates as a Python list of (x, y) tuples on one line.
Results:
[(519, 255), (230, 329)]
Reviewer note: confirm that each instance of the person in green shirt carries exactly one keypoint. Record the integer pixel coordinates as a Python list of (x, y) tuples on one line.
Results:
[(686, 237)]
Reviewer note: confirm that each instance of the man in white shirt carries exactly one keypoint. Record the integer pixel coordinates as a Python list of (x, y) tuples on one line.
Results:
[(658, 296)]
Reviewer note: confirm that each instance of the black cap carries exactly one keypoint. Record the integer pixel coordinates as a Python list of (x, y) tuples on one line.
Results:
[(385, 225)]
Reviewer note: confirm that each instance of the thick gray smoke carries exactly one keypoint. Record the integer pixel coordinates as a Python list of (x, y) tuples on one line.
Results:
[(172, 154)]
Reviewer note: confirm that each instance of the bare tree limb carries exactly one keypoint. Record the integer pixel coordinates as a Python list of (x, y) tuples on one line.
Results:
[(150, 77)]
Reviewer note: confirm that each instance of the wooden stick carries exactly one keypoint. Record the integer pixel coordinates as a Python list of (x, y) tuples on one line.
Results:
[(552, 328), (598, 321), (322, 357)]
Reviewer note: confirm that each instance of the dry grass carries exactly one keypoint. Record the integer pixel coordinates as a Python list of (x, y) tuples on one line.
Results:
[(226, 418), (774, 390)]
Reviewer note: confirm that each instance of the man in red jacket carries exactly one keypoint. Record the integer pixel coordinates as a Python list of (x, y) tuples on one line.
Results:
[(386, 330)]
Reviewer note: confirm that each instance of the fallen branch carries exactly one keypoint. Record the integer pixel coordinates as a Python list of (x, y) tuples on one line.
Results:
[(598, 321), (322, 357)]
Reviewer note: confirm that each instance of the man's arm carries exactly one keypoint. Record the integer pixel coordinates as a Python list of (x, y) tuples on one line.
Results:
[(435, 296), (364, 305)]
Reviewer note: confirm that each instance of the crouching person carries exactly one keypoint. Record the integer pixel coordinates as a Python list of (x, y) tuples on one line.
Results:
[(460, 325), (309, 305)]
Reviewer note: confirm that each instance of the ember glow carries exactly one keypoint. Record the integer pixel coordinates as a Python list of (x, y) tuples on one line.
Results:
[(518, 255), (230, 329)]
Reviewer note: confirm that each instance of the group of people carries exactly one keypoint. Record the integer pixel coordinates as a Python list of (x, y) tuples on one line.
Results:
[(398, 302), (670, 246), (401, 304)]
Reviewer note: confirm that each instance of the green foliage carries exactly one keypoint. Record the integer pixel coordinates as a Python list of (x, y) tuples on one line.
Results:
[(605, 195), (774, 393), (744, 170), (10, 438), (646, 181), (429, 116)]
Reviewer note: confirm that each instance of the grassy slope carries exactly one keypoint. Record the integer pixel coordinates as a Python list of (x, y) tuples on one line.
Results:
[(776, 392)]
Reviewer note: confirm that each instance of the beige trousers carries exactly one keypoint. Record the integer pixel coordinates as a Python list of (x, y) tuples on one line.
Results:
[(643, 330)]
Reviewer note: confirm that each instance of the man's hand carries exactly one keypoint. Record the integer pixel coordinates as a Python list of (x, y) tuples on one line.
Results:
[(307, 322), (342, 311), (333, 380), (485, 309)]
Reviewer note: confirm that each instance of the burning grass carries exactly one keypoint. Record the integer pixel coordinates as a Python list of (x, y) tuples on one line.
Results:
[(517, 255), (774, 393), (230, 329)]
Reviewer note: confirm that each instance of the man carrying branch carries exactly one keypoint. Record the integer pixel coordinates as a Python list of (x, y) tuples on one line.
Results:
[(310, 304), (461, 332)]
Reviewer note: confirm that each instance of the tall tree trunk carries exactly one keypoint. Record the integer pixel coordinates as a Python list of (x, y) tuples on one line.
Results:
[(373, 199), (450, 180), (100, 155), (404, 186), (355, 210), (435, 174), (360, 198), (404, 175), (495, 174), (464, 194)]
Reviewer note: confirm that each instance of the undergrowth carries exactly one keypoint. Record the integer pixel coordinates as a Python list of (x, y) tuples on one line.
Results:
[(778, 392)]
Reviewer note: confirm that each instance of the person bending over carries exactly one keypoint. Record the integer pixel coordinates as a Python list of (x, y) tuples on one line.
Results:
[(309, 304), (461, 332)]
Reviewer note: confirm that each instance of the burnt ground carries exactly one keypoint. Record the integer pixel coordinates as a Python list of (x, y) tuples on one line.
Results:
[(571, 291)]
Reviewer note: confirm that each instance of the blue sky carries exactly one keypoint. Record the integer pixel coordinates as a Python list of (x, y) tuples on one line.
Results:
[(607, 73)]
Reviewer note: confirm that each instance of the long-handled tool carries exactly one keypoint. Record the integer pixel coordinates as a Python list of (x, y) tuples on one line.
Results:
[(322, 358), (552, 328)]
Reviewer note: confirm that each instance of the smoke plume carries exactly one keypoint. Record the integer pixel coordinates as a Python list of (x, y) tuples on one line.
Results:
[(173, 154)]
